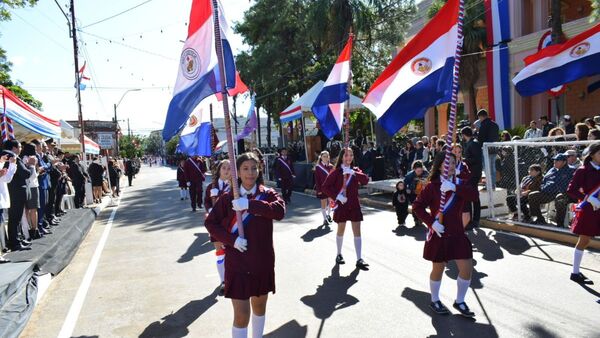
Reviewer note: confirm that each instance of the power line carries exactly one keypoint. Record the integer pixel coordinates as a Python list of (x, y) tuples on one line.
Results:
[(127, 46), (41, 32), (116, 15)]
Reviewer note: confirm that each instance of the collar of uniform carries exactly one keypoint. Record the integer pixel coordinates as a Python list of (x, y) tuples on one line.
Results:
[(250, 192), (597, 167), (345, 167), (222, 184)]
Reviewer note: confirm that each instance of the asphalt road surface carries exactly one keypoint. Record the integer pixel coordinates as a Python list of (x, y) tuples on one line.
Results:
[(155, 277)]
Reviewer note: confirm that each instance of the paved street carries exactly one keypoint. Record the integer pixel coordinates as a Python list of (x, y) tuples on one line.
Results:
[(156, 277)]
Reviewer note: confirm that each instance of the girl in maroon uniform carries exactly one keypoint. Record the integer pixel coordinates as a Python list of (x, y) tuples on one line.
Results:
[(182, 182), (322, 170), (585, 186), (221, 184), (448, 241), (342, 186), (250, 264)]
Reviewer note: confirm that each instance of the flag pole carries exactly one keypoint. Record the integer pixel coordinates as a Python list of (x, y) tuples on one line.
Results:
[(347, 106), (231, 154), (453, 103)]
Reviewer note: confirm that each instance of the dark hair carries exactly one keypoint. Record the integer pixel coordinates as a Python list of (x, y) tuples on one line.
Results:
[(249, 156), (400, 181), (591, 122), (417, 164), (258, 153), (482, 112), (581, 131), (36, 142), (467, 131), (536, 167), (440, 142), (10, 144), (28, 150), (544, 117), (340, 158), (436, 168), (504, 135), (217, 172), (554, 130), (594, 148), (595, 132)]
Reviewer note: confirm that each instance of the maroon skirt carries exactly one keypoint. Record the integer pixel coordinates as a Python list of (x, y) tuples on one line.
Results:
[(448, 248), (242, 285), (321, 195), (587, 222), (344, 213)]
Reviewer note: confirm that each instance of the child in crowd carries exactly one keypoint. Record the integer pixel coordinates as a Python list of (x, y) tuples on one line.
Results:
[(400, 202)]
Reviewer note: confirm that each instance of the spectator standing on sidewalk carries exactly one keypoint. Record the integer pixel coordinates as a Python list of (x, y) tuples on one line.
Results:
[(488, 132), (568, 126), (18, 195), (129, 170), (546, 125), (7, 171), (473, 157), (533, 131)]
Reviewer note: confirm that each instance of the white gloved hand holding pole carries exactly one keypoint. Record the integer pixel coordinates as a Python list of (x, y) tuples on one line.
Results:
[(214, 192), (343, 199), (438, 228), (241, 244), (240, 204), (448, 186)]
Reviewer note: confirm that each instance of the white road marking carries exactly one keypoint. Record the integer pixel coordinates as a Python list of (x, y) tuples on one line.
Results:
[(69, 324)]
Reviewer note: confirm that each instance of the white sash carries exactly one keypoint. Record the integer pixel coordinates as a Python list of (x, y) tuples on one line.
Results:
[(286, 165), (197, 168)]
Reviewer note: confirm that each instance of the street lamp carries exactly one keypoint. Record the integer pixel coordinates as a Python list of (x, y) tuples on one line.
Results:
[(117, 121)]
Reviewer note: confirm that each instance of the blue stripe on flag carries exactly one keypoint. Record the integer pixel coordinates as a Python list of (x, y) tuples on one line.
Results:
[(198, 142), (432, 90), (504, 60), (337, 93), (553, 77)]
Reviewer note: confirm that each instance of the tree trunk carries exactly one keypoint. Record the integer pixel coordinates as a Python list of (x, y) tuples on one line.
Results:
[(557, 33), (473, 103)]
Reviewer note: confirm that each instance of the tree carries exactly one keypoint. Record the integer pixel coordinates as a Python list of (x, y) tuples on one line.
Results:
[(7, 5), (556, 22), (294, 43), (171, 146), (153, 144), (130, 146), (474, 44), (595, 10)]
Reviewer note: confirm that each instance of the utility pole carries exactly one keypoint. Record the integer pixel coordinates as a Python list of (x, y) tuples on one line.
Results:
[(128, 129), (77, 79), (116, 132)]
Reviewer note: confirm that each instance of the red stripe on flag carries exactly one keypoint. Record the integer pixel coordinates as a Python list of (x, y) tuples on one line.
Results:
[(553, 50), (200, 13), (346, 53), (489, 57)]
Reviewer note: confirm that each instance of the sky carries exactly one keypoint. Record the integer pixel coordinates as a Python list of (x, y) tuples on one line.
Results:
[(138, 49)]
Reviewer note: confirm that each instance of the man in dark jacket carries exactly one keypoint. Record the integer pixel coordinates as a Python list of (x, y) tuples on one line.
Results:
[(18, 195), (78, 178), (546, 125), (488, 132), (473, 157), (54, 174), (568, 125)]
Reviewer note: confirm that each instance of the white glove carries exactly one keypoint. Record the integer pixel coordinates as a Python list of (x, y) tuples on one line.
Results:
[(457, 171), (448, 186), (209, 210), (438, 228), (240, 204), (594, 201), (214, 192), (348, 171), (340, 197), (189, 184), (241, 244)]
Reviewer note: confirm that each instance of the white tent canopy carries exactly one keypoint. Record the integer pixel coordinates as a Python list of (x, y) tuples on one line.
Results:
[(305, 103)]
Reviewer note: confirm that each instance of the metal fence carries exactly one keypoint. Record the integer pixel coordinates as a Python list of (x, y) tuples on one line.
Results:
[(513, 195)]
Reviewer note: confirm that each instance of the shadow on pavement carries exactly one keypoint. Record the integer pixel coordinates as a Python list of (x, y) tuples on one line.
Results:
[(476, 276), (176, 324), (418, 232), (332, 295), (448, 325), (540, 331), (290, 329), (201, 245), (319, 231)]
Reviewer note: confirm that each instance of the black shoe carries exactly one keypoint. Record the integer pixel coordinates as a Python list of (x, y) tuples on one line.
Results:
[(340, 260), (44, 231), (182, 198), (439, 308), (193, 209), (222, 289), (540, 221), (329, 219), (325, 223), (361, 264), (463, 309), (19, 247), (581, 279), (25, 242)]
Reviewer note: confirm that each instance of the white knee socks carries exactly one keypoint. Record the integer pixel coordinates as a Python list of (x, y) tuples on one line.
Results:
[(258, 326), (462, 286), (358, 247), (339, 240), (324, 213), (221, 265), (577, 256), (182, 193), (239, 332), (434, 287)]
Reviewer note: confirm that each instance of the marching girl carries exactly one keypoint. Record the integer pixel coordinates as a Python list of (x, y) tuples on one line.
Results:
[(447, 239), (322, 169), (250, 264), (463, 173), (182, 182), (587, 218), (221, 184), (342, 186)]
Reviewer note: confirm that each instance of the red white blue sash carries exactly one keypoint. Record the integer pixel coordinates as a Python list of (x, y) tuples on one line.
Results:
[(246, 216), (322, 168), (342, 191), (585, 202)]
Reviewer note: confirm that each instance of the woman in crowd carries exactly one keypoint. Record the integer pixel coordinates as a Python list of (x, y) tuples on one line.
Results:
[(95, 170), (447, 240), (322, 170), (556, 131), (581, 131), (33, 197), (250, 264), (591, 124), (114, 173), (585, 187), (342, 186), (220, 185), (505, 136)]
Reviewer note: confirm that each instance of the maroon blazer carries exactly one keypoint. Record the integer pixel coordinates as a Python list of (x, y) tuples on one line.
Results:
[(586, 179), (192, 174), (335, 180), (260, 256), (430, 198), (208, 201), (181, 178), (320, 177), (283, 172)]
